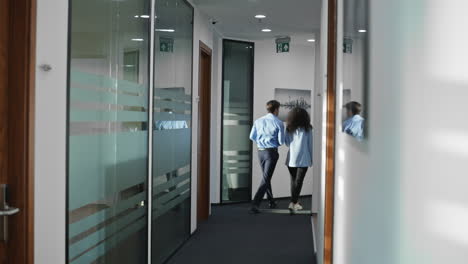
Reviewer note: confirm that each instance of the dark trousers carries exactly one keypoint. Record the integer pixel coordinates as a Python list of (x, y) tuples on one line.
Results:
[(297, 179), (268, 159)]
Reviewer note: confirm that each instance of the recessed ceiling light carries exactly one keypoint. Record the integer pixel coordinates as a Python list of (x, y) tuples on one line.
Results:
[(138, 39), (311, 40), (165, 30), (260, 16), (145, 16), (362, 31), (137, 16), (266, 30)]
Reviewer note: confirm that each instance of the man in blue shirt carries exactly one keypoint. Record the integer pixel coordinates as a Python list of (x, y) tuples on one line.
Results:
[(268, 133)]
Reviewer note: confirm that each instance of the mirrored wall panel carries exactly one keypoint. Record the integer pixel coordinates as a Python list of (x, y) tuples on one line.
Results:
[(172, 127), (355, 43), (108, 131), (238, 61)]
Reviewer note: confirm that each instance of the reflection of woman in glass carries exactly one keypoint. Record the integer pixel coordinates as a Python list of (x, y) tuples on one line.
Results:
[(299, 140), (354, 124)]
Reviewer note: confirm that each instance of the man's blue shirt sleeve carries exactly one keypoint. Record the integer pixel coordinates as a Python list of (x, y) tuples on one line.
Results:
[(281, 136), (253, 133)]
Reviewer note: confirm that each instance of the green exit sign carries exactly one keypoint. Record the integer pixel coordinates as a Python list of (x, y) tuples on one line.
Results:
[(283, 44), (166, 45), (282, 47)]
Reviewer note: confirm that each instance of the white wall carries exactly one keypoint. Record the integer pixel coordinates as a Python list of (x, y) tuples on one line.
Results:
[(216, 92), (367, 173), (433, 130), (401, 194), (281, 70), (50, 133), (320, 135)]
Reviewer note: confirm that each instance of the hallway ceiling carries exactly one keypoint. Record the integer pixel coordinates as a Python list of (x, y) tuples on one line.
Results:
[(284, 17)]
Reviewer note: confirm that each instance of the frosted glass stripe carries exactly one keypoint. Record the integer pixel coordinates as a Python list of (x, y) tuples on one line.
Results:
[(172, 93), (101, 225), (109, 98), (179, 171), (243, 157), (237, 117), (82, 116), (107, 243), (171, 150), (167, 116), (233, 104), (172, 194), (105, 175), (88, 106), (237, 123), (88, 209), (94, 80), (105, 127), (101, 216), (245, 153), (171, 183), (237, 111), (86, 243), (236, 164), (235, 170), (174, 106), (106, 90), (159, 211)]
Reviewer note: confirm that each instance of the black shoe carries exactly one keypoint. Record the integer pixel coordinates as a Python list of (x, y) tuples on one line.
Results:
[(273, 205), (254, 210)]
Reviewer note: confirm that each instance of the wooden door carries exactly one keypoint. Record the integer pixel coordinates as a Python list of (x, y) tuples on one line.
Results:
[(204, 109), (16, 125)]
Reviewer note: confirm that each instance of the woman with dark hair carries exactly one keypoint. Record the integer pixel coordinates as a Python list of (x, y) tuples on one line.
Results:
[(299, 140)]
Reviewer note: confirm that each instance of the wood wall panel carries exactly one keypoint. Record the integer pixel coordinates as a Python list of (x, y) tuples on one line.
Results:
[(331, 130), (4, 39)]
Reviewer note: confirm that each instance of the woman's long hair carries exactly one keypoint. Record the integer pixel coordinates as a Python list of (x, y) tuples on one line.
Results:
[(298, 118)]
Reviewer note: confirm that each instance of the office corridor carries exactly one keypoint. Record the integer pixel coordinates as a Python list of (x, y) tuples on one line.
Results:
[(232, 235)]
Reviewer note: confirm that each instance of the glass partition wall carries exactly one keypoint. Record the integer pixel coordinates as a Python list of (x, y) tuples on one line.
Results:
[(109, 130), (172, 127), (238, 61)]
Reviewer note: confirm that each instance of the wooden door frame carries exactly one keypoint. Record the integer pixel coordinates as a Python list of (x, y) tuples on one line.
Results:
[(20, 79), (330, 133), (204, 119)]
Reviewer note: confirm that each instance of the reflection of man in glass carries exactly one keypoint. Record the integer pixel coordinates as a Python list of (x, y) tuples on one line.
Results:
[(354, 124), (170, 124)]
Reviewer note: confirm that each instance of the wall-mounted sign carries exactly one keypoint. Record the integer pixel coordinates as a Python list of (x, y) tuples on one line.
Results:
[(348, 45), (283, 45), (166, 44)]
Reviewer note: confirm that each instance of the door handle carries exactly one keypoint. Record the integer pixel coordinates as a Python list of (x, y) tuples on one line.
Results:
[(9, 211), (5, 212)]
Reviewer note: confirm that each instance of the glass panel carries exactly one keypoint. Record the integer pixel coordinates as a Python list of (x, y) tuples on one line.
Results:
[(237, 120), (108, 132), (355, 68), (172, 127)]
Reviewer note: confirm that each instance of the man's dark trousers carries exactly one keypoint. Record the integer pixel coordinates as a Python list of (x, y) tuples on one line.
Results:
[(268, 159)]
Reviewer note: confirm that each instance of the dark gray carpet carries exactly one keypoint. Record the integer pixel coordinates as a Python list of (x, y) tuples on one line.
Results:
[(231, 235)]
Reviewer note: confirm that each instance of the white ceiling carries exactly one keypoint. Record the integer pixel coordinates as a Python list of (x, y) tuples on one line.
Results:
[(296, 18)]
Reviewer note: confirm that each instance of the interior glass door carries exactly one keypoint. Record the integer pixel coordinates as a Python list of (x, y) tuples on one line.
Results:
[(172, 127), (238, 60), (108, 131)]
